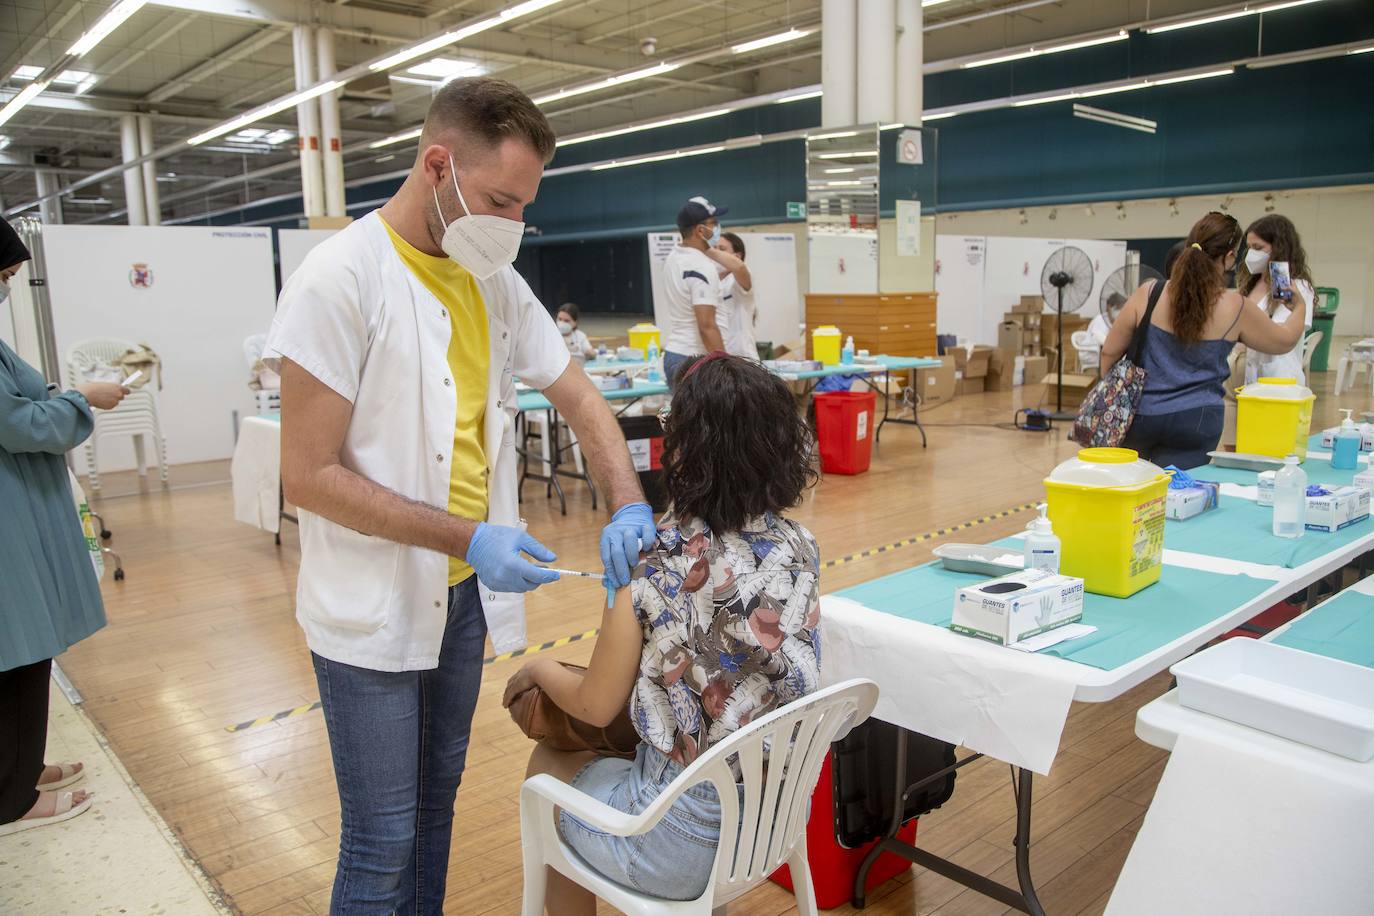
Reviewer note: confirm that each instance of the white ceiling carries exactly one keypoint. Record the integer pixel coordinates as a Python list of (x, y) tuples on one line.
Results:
[(193, 63)]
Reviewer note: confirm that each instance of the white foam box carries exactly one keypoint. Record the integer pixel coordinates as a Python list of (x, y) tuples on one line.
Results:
[(1265, 495), (1339, 508), (1318, 701), (1017, 606), (1190, 501), (1366, 437)]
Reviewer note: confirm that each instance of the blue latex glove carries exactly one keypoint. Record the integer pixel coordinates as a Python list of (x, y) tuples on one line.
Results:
[(631, 530), (495, 553)]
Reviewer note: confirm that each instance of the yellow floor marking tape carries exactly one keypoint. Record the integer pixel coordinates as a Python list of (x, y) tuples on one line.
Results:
[(588, 634)]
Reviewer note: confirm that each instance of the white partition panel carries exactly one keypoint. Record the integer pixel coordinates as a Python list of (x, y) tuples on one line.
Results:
[(192, 294), (959, 263), (294, 244), (1013, 267)]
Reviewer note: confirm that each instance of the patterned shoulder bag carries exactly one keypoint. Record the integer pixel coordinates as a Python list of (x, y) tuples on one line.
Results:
[(1106, 414)]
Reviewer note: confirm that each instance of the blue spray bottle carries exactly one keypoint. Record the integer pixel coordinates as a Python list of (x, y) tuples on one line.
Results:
[(1345, 451)]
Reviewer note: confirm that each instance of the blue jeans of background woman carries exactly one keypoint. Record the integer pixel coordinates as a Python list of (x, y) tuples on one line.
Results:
[(1182, 438), (399, 742)]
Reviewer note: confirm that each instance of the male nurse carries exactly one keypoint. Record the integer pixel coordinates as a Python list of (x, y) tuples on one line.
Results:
[(697, 322), (399, 341)]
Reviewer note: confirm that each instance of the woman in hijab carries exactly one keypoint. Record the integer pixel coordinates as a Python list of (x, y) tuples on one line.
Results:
[(50, 598)]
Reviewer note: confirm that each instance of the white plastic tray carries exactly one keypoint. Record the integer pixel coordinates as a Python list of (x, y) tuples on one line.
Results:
[(979, 558), (1244, 461), (1318, 701)]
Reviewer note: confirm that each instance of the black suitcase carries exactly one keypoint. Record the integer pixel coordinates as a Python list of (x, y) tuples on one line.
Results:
[(864, 768)]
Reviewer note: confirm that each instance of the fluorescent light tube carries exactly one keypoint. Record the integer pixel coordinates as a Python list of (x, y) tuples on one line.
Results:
[(1205, 20), (106, 24), (778, 39), (1227, 71), (264, 111), (815, 94), (445, 39), (833, 135), (610, 81), (659, 157), (395, 138), (1062, 97), (649, 125), (1364, 50), (938, 116), (1036, 52), (857, 154), (19, 101)]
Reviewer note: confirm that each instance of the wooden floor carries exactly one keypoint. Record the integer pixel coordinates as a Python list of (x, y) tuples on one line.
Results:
[(202, 636)]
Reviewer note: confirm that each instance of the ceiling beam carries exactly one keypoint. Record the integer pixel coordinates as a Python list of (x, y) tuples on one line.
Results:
[(214, 64)]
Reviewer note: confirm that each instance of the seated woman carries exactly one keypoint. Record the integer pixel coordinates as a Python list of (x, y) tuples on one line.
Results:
[(718, 627)]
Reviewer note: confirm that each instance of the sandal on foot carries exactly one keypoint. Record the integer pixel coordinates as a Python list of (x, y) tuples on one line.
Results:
[(68, 773), (64, 810)]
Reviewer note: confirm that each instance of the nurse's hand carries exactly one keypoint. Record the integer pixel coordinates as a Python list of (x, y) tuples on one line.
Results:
[(103, 395), (630, 531), (495, 552)]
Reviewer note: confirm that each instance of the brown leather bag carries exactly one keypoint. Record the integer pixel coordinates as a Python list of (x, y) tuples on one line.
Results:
[(541, 719)]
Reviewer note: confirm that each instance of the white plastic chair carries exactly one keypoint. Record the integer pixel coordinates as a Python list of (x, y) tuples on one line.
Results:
[(135, 416), (1089, 353), (1358, 357), (769, 831), (1309, 346)]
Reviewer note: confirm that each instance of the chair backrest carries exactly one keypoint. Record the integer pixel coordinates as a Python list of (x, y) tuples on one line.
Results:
[(1082, 340), (779, 759), (98, 351), (1309, 346)]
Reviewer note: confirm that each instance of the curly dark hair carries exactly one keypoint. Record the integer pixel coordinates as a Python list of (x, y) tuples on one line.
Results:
[(1196, 282), (734, 447), (1279, 231)]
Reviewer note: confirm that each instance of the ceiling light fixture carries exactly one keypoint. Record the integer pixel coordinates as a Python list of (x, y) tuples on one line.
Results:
[(1364, 50), (1123, 87), (856, 154), (395, 138), (658, 157), (443, 40), (609, 82), (1223, 17), (1114, 118), (771, 40), (263, 111), (1120, 35), (649, 125), (447, 68), (833, 135), (106, 24), (811, 94), (23, 98)]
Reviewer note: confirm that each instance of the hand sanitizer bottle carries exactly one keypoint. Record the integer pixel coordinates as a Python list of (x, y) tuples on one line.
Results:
[(847, 354), (1042, 544), (1290, 499), (654, 374), (1345, 451)]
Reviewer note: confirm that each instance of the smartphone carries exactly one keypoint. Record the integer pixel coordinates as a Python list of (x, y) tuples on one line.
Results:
[(133, 379), (1280, 283)]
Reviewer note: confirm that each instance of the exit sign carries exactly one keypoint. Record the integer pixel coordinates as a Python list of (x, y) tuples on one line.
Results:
[(796, 209)]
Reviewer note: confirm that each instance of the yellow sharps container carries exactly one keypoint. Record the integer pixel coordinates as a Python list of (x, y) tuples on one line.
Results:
[(825, 345), (641, 334), (1107, 507), (1274, 418)]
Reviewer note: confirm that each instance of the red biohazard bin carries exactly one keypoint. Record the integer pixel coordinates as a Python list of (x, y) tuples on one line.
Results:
[(834, 868), (844, 429)]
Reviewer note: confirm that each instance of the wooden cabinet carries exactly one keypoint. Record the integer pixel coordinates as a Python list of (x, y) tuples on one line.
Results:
[(896, 324)]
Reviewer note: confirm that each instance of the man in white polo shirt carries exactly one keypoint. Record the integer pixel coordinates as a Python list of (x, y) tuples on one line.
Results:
[(697, 324), (399, 340)]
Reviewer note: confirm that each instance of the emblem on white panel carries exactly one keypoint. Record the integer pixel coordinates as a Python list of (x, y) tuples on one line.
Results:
[(141, 276)]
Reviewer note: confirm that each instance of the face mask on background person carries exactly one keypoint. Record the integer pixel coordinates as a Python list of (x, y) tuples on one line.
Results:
[(481, 243), (565, 328), (714, 240), (1256, 260)]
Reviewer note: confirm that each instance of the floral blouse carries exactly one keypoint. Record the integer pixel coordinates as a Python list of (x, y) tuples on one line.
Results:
[(731, 630)]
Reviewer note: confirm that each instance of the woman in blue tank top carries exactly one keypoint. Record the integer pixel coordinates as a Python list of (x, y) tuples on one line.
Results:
[(1196, 322)]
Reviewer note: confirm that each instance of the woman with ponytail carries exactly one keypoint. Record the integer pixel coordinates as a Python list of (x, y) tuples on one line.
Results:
[(1195, 323), (1274, 238)]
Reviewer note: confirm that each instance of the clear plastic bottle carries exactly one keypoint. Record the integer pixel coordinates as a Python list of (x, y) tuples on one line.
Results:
[(654, 373), (1042, 544), (1290, 499)]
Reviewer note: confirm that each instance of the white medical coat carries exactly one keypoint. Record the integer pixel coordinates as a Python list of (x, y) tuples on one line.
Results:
[(357, 319)]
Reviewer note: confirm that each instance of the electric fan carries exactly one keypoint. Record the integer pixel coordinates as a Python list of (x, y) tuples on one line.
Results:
[(1119, 286), (1066, 280)]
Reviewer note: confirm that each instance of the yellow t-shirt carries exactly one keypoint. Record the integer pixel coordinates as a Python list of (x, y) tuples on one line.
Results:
[(468, 359)]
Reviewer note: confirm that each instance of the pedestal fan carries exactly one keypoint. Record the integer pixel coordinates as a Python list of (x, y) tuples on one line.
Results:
[(1067, 281)]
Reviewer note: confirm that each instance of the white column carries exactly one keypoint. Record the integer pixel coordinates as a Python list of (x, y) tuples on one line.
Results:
[(150, 196), (839, 55), (331, 138), (50, 211), (133, 177), (877, 62), (911, 54), (308, 122)]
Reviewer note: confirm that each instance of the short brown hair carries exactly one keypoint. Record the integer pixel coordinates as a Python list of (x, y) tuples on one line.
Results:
[(489, 110)]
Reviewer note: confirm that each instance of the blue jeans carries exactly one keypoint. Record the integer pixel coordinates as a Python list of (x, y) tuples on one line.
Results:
[(399, 741), (672, 364), (1182, 438)]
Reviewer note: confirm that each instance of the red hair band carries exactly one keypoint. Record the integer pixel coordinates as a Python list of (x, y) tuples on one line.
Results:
[(714, 354)]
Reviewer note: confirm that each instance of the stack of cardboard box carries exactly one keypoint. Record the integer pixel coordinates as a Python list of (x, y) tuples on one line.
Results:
[(937, 384), (971, 368), (1020, 330)]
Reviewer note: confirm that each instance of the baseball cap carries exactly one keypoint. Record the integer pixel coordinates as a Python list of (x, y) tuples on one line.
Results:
[(698, 210)]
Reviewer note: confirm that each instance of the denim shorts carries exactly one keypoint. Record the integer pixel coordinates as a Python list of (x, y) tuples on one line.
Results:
[(672, 861)]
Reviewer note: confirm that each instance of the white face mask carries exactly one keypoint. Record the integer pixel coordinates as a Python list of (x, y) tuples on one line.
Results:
[(482, 243), (4, 290), (1256, 260), (565, 328)]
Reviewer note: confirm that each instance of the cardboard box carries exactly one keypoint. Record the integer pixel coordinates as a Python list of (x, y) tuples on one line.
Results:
[(1076, 387), (1049, 331), (1336, 508), (1027, 320), (970, 386), (1036, 368), (1016, 606), (936, 384), (1187, 502), (1030, 305), (972, 362), (1011, 336), (1001, 368)]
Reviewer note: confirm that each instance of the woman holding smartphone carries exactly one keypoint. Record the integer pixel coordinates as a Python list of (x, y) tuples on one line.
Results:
[(1269, 240)]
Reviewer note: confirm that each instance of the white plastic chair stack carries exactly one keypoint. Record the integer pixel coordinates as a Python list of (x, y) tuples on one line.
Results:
[(135, 416), (760, 832), (1089, 353), (1358, 357), (268, 400)]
